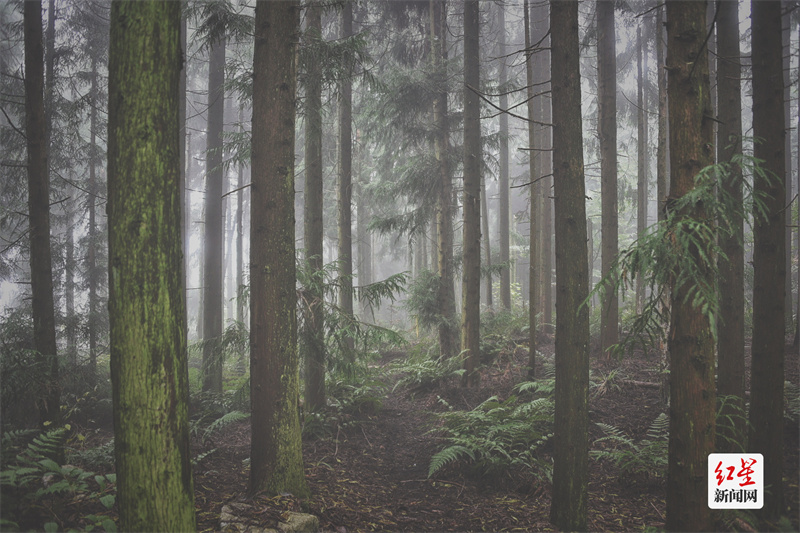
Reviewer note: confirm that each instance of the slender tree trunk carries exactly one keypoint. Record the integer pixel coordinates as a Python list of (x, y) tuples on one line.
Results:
[(641, 202), (487, 247), (214, 230), (471, 297), (535, 204), (345, 190), (503, 185), (149, 363), (444, 202), (607, 117), (662, 159), (691, 344), (276, 459), (44, 325), (571, 420), (71, 322), (730, 383), (313, 328), (787, 120), (91, 255), (182, 164), (769, 266), (240, 230)]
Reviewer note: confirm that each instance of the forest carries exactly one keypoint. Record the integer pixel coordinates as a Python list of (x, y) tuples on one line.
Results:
[(399, 265)]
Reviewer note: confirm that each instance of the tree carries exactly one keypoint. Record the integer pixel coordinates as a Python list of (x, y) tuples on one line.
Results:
[(662, 178), (691, 343), (276, 459), (213, 250), (313, 340), (769, 267), (444, 200), (345, 189), (535, 263), (505, 205), (571, 419), (641, 157), (607, 119), (731, 326), (44, 326), (470, 322), (149, 369)]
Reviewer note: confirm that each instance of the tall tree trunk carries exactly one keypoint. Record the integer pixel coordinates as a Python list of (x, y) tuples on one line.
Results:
[(731, 271), (44, 324), (149, 363), (769, 266), (446, 300), (786, 33), (607, 117), (534, 264), (240, 230), (691, 344), (662, 159), (487, 247), (571, 420), (91, 254), (313, 339), (214, 247), (502, 184), (345, 190), (71, 320), (182, 163), (363, 236), (276, 458), (641, 188), (471, 297)]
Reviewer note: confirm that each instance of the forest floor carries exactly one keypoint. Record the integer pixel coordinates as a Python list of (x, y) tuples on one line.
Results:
[(371, 474)]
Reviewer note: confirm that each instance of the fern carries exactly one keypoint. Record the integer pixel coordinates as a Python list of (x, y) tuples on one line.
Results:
[(647, 456), (224, 420), (497, 436)]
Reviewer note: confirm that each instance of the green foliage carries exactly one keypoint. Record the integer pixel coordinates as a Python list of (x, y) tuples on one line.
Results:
[(204, 431), (345, 402), (497, 436), (730, 413), (423, 368), (647, 456), (681, 252), (32, 475), (423, 300)]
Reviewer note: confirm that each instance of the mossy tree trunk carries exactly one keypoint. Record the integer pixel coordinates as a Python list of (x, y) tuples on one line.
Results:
[(44, 324), (471, 291), (731, 270), (607, 128), (769, 267), (691, 345), (313, 341), (149, 371), (571, 420), (276, 459), (444, 202)]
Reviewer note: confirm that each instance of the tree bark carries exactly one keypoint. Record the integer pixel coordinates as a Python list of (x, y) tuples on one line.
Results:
[(313, 340), (276, 459), (691, 345), (642, 163), (534, 264), (214, 243), (344, 194), (91, 254), (503, 177), (487, 246), (607, 117), (571, 420), (149, 364), (44, 324), (662, 159), (769, 266), (731, 366), (444, 202), (471, 297)]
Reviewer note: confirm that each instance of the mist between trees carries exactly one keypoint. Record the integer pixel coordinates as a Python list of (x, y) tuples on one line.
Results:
[(227, 206)]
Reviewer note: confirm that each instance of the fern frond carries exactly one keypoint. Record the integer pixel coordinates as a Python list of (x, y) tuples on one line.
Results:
[(448, 455)]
